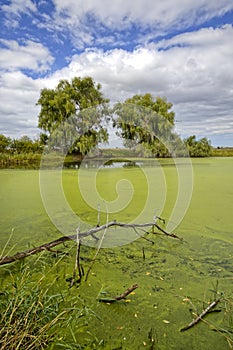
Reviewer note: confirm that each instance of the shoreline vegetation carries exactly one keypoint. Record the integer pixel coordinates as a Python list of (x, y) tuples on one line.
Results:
[(32, 160)]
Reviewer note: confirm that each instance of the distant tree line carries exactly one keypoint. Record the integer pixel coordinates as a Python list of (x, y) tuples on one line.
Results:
[(74, 118), (22, 145)]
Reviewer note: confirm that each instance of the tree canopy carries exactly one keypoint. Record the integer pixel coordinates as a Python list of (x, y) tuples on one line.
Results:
[(198, 148), (18, 146), (4, 143), (72, 114), (146, 120)]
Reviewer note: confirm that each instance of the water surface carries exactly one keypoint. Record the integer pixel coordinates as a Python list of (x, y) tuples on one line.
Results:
[(175, 278)]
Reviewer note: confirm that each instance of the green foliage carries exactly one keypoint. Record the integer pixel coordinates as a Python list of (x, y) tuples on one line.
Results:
[(198, 148), (4, 143), (25, 145), (73, 113), (22, 160), (28, 314), (146, 121), (19, 146), (222, 152)]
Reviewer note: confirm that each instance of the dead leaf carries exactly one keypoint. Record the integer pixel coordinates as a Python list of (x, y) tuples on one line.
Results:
[(166, 321)]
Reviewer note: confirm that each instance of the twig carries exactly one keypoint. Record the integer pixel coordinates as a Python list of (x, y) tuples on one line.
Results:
[(121, 296), (199, 317), (18, 256), (98, 217), (143, 254), (97, 252), (77, 263), (128, 291)]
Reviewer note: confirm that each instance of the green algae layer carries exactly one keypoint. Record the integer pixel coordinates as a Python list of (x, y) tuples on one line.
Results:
[(176, 279)]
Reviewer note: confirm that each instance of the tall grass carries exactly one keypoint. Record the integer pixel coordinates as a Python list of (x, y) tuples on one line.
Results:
[(8, 160), (33, 317), (28, 314)]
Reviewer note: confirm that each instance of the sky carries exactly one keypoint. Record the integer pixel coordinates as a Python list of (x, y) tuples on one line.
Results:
[(178, 49)]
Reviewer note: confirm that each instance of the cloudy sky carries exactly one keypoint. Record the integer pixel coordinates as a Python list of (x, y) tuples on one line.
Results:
[(181, 49)]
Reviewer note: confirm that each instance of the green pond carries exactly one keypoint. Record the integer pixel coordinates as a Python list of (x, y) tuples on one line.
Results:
[(174, 277)]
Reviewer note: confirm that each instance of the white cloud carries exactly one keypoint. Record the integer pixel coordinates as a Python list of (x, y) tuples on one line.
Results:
[(196, 77), (162, 13), (15, 9), (120, 15), (18, 94), (31, 55), (193, 70)]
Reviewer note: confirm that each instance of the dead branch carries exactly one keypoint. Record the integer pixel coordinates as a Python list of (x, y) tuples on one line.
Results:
[(128, 291), (199, 317), (121, 296), (47, 246), (77, 264), (97, 252)]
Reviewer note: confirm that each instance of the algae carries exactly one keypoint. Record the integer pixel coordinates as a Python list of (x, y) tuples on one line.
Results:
[(176, 279)]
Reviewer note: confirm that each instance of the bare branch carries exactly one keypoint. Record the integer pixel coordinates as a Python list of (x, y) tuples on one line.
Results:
[(47, 246), (121, 296), (199, 317)]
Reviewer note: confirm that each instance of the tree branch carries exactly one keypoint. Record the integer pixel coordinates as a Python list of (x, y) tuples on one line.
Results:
[(47, 246), (119, 297), (199, 317)]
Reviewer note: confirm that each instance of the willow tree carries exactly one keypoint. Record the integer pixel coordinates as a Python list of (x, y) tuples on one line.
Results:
[(148, 121), (198, 148), (72, 115)]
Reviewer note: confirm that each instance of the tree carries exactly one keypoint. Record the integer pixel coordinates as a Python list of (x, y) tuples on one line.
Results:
[(4, 143), (146, 120), (198, 148), (25, 145), (72, 114)]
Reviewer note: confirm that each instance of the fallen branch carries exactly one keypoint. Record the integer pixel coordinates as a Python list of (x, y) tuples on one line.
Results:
[(77, 266), (47, 246), (99, 247), (199, 317), (121, 296)]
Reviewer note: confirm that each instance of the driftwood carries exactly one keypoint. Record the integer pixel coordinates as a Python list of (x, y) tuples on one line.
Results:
[(199, 317), (48, 246), (121, 296)]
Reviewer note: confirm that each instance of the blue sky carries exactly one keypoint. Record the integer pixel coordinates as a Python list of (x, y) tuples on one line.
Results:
[(181, 49)]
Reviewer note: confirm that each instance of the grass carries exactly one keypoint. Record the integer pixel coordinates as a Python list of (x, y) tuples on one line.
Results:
[(32, 315), (23, 160), (28, 315)]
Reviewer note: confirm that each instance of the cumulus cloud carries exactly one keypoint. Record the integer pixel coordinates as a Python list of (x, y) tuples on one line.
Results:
[(30, 55), (18, 94), (128, 48), (195, 77)]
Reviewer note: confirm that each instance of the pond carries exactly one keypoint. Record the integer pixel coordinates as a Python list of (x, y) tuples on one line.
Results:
[(176, 279)]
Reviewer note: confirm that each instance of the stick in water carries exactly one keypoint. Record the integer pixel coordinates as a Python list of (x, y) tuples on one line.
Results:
[(121, 296), (199, 317)]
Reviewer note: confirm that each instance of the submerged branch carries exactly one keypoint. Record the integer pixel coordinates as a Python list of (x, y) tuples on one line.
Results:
[(121, 296), (199, 317), (47, 246)]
